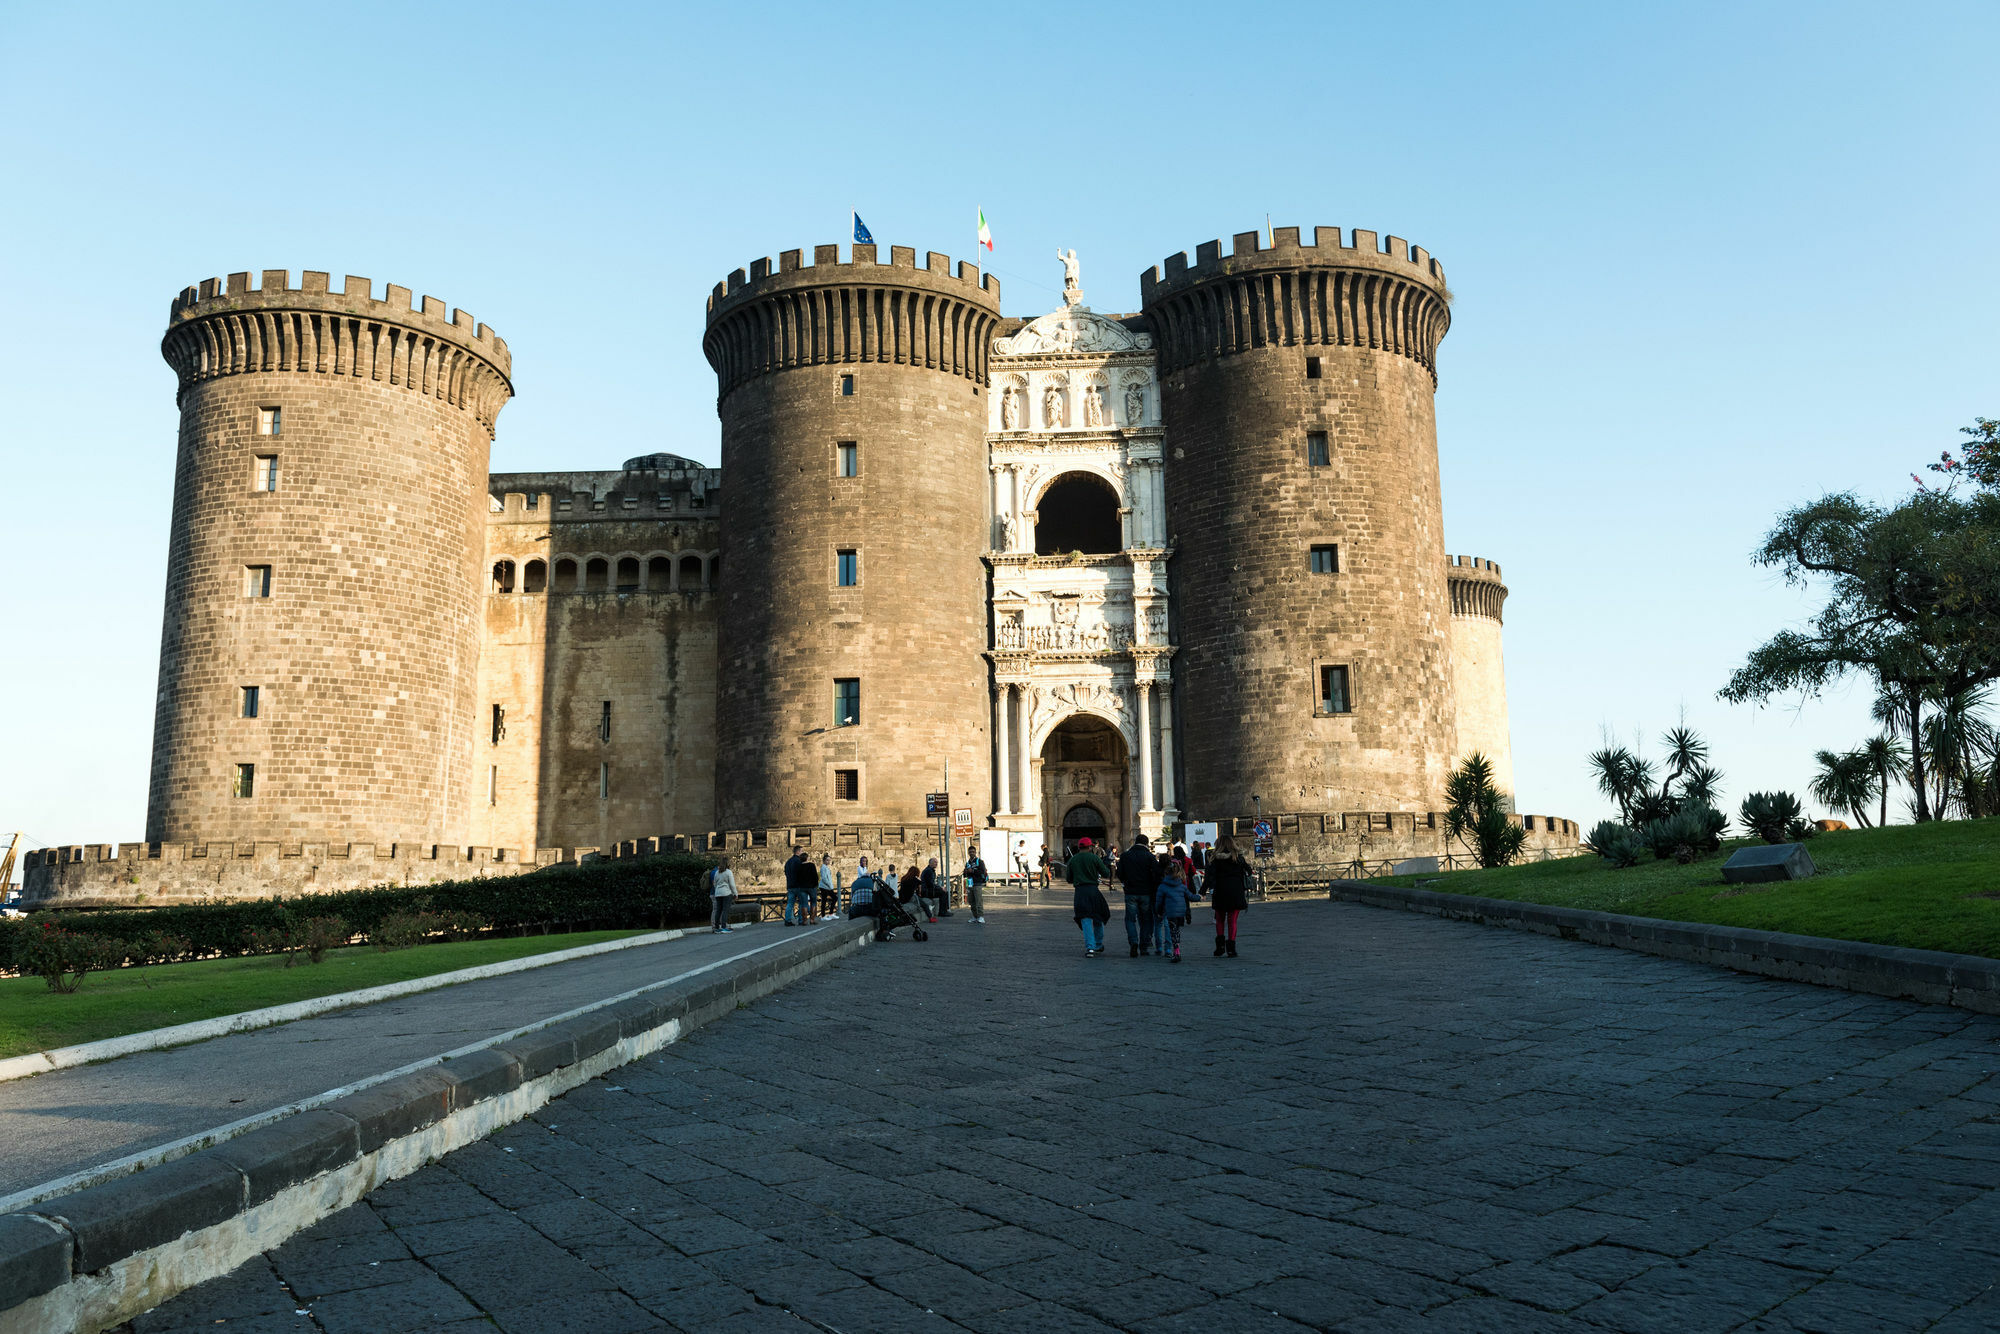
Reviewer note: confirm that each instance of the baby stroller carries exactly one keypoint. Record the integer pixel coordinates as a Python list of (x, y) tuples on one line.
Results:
[(893, 916)]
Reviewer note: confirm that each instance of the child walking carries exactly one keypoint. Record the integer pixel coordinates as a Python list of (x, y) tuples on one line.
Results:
[(1170, 902)]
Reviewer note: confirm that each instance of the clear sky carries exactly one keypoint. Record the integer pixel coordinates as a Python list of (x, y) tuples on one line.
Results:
[(1709, 260)]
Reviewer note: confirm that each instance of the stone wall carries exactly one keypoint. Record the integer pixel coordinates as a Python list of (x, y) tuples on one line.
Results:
[(365, 653), (911, 630), (1259, 353), (1478, 669)]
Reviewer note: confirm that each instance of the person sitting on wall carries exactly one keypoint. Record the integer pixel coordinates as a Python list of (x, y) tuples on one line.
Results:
[(861, 896)]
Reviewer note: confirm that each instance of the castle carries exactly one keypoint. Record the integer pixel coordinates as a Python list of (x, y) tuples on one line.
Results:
[(1109, 573)]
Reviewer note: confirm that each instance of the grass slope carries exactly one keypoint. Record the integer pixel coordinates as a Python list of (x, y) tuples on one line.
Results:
[(131, 1000), (1933, 886)]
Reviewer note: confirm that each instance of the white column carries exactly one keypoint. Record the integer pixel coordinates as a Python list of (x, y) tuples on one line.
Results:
[(1004, 697), (1146, 746), (1166, 746), (996, 492), (1030, 801), (1128, 527), (1158, 478), (1021, 533)]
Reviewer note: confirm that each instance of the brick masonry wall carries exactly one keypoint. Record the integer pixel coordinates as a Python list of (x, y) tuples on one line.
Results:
[(366, 652)]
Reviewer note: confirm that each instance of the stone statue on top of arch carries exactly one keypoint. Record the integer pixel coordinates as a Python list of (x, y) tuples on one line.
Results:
[(1072, 277)]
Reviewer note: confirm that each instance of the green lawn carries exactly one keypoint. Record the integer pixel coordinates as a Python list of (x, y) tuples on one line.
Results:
[(131, 1000), (1934, 886)]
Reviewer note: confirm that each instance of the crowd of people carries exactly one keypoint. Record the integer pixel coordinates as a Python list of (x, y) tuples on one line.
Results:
[(1160, 892)]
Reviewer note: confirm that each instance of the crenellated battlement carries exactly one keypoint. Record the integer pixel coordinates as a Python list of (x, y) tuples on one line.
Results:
[(1378, 293), (1475, 586), (764, 320), (1249, 250), (863, 268), (219, 328)]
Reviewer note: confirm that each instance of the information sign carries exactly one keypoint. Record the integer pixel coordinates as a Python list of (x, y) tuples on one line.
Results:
[(1266, 845), (961, 821), (937, 805)]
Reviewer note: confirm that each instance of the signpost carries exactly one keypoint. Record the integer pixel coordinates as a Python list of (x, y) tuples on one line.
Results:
[(1266, 843)]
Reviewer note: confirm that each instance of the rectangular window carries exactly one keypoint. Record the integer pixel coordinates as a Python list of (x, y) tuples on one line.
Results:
[(493, 785), (1312, 368), (499, 724), (245, 784), (847, 785), (604, 782), (1316, 451), (1333, 696), (604, 723), (847, 701), (847, 566), (270, 421), (850, 459), (1326, 560), (249, 701), (267, 473), (847, 386), (256, 581)]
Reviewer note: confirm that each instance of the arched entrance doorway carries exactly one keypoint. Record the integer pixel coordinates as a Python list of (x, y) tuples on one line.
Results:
[(1085, 784)]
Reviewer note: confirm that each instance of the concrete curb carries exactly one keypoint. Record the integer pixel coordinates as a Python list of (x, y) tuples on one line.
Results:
[(1967, 981), (201, 1030), (97, 1257)]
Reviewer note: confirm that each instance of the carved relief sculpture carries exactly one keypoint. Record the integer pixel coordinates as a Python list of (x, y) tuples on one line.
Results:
[(1093, 405), (1135, 404), (1052, 409), (1008, 524), (1010, 409)]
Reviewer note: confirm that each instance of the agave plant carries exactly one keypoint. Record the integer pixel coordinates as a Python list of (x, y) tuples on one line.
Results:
[(1616, 843), (1775, 817)]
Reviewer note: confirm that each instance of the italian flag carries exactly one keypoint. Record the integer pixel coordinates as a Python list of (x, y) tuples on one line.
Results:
[(985, 233)]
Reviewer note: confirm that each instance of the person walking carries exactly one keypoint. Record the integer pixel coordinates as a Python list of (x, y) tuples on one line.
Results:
[(829, 886), (929, 890), (800, 883), (721, 894), (1139, 872), (1171, 903), (975, 886), (1228, 892), (1042, 859), (1086, 871)]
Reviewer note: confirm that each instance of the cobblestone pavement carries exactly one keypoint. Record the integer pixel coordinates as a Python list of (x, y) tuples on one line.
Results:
[(1372, 1121)]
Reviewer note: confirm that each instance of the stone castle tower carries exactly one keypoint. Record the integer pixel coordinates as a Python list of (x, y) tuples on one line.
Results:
[(321, 648), (1158, 572), (1302, 487), (853, 421)]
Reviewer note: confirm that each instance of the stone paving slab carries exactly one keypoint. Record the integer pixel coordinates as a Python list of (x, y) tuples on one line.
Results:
[(68, 1120), (1371, 1121)]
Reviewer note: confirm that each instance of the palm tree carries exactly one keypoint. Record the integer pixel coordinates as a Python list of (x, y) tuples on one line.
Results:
[(1844, 782), (1622, 776), (1890, 760), (1901, 715)]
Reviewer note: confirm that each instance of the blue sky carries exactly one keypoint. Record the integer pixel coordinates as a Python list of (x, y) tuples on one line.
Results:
[(1709, 260)]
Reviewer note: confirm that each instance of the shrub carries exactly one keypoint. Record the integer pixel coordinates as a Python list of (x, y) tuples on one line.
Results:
[(400, 930), (158, 947), (613, 894), (1687, 835), (61, 957), (1775, 817), (1476, 814), (317, 935), (1616, 843)]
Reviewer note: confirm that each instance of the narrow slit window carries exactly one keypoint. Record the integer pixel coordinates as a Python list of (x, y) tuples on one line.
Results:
[(1333, 693), (1312, 368), (847, 701), (256, 581), (847, 568), (249, 701), (1326, 559), (267, 473), (850, 459), (847, 785), (847, 386), (244, 785), (1317, 454), (604, 782), (493, 785), (604, 722), (270, 421), (499, 724)]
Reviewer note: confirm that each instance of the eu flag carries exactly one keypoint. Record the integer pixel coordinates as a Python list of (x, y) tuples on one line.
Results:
[(861, 236)]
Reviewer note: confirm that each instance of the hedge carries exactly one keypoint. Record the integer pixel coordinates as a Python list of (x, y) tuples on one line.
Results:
[(630, 892)]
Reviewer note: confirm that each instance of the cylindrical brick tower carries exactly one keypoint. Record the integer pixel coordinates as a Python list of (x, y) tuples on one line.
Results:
[(1302, 497), (853, 421), (320, 659), (1478, 675)]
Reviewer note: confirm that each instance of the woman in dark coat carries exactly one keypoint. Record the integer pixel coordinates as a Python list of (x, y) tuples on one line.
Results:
[(1229, 892), (1086, 869)]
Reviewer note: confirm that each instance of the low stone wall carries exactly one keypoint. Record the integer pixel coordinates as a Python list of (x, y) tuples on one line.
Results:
[(1967, 981), (93, 1258)]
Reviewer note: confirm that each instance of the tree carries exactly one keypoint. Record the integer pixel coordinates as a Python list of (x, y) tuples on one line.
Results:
[(1890, 759), (1845, 782), (1913, 601), (1476, 814), (1627, 778)]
